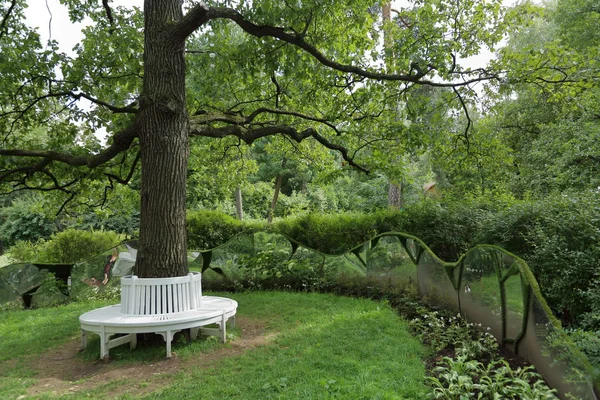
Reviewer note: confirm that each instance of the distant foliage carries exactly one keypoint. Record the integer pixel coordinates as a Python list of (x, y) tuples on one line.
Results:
[(589, 343), (24, 221), (127, 223), (559, 237)]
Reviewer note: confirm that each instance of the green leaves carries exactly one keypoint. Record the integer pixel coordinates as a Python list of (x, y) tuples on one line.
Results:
[(464, 379)]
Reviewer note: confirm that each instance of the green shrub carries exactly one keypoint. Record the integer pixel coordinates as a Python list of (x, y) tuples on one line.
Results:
[(440, 330), (68, 246), (24, 251), (448, 229), (73, 245), (589, 343), (461, 378)]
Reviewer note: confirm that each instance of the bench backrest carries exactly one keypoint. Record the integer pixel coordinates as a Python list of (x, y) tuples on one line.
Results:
[(153, 296)]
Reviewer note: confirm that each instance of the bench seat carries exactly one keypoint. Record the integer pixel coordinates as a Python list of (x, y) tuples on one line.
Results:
[(109, 321), (158, 305)]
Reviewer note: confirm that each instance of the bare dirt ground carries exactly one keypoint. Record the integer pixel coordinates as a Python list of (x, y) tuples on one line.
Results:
[(60, 370)]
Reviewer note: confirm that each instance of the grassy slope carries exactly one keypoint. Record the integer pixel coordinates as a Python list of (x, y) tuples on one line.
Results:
[(326, 347)]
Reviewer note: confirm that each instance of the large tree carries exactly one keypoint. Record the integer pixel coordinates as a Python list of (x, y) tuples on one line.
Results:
[(309, 70)]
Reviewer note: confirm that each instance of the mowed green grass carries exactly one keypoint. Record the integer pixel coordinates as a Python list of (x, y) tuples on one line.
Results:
[(321, 347)]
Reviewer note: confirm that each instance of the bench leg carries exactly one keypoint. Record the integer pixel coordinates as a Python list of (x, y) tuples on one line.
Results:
[(232, 322), (104, 339), (194, 333), (168, 337), (133, 342), (83, 340), (104, 346), (223, 328)]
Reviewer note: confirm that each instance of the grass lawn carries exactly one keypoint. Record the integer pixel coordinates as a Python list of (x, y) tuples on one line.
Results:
[(286, 346)]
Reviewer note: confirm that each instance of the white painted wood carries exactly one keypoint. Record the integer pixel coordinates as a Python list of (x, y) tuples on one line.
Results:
[(159, 305), (83, 339)]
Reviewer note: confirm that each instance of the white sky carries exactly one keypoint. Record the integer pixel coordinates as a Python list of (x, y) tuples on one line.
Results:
[(50, 17)]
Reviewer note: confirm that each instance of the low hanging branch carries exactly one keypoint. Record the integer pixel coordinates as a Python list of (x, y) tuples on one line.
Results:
[(250, 134), (121, 142)]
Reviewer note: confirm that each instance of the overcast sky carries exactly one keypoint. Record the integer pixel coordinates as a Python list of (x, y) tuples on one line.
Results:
[(52, 20)]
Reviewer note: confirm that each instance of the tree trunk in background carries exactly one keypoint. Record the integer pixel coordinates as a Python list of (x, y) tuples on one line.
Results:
[(394, 191), (163, 145), (239, 209), (395, 196), (278, 182), (386, 14)]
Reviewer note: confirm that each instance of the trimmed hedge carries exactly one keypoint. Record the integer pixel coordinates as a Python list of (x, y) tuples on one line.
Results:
[(210, 229)]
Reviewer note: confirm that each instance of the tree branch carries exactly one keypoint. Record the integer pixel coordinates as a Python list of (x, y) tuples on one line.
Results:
[(262, 110), (114, 109), (121, 142), (250, 135), (469, 122), (205, 14), (108, 14), (193, 20), (131, 172), (201, 14), (3, 29)]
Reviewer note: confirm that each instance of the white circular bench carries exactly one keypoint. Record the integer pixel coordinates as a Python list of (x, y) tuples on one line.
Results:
[(158, 305)]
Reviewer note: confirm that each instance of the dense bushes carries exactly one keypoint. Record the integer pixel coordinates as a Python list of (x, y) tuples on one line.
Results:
[(67, 246), (559, 237), (24, 221)]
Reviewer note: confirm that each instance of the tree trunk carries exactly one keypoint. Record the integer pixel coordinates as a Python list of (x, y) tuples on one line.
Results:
[(394, 190), (239, 209), (395, 196), (278, 182), (163, 145)]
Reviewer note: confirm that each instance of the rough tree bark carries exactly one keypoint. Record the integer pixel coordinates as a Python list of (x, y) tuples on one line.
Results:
[(278, 183), (395, 196), (239, 208), (164, 145)]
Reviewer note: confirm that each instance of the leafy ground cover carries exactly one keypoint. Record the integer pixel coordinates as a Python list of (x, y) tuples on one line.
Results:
[(286, 345)]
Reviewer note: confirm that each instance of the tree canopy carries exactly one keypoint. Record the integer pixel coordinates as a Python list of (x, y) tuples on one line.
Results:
[(312, 72)]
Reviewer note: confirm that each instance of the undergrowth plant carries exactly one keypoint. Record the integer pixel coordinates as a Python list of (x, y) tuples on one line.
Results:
[(441, 330), (461, 378)]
